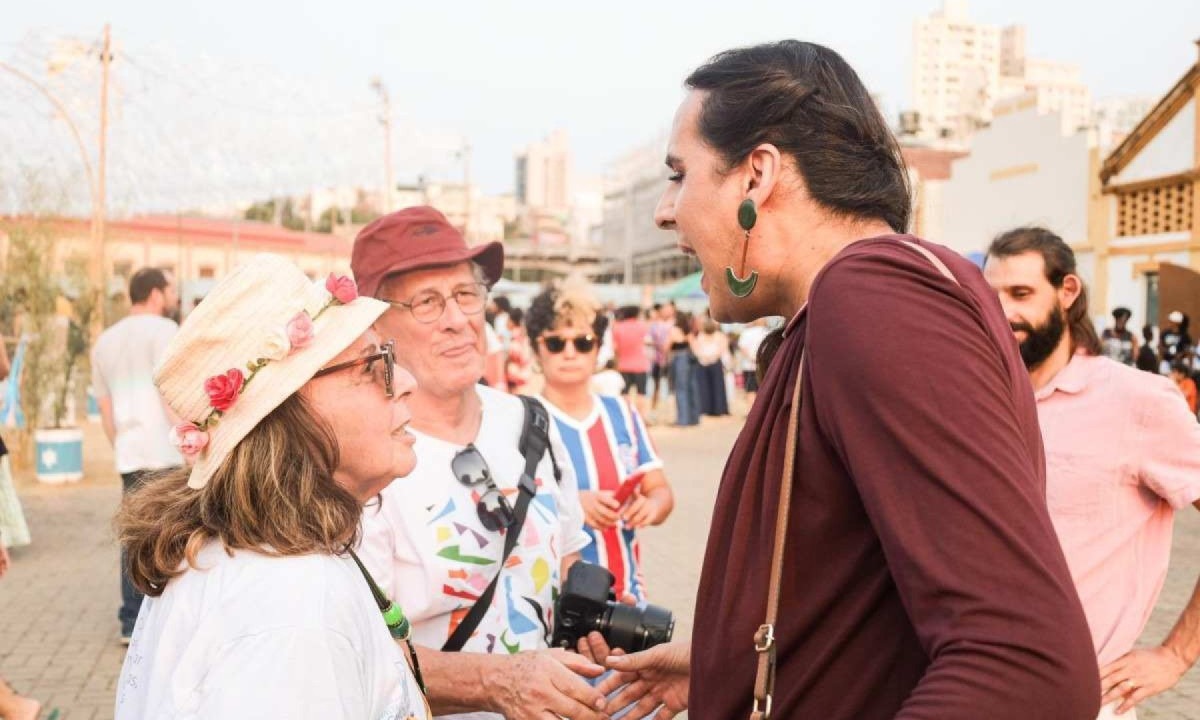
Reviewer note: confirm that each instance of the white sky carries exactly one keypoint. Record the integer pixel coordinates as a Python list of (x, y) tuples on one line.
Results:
[(506, 73)]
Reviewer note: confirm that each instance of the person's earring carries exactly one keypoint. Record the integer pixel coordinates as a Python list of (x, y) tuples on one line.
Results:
[(740, 284)]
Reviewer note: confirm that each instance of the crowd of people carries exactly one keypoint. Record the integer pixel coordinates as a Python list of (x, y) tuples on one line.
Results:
[(951, 498), (650, 355), (1174, 354)]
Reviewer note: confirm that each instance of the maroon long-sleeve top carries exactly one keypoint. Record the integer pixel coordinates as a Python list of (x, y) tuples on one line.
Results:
[(922, 578)]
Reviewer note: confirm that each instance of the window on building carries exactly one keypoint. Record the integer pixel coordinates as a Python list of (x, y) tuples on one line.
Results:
[(207, 272)]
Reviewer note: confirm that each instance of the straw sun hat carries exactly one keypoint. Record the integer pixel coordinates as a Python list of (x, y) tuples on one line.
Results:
[(261, 333)]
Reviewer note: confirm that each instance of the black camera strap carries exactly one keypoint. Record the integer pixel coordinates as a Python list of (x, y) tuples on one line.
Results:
[(534, 443)]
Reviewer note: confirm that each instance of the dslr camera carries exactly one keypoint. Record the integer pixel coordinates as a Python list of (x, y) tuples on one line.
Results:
[(587, 603)]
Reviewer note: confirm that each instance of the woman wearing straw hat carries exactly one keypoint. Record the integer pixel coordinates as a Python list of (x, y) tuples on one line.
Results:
[(295, 417)]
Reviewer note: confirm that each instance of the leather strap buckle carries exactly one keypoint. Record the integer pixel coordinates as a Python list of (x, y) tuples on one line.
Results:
[(764, 640)]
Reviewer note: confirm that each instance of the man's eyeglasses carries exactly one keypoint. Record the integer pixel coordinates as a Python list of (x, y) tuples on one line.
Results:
[(429, 305), (383, 361), (493, 508), (556, 344)]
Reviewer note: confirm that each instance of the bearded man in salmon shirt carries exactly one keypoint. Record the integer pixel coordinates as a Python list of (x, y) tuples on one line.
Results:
[(1122, 455)]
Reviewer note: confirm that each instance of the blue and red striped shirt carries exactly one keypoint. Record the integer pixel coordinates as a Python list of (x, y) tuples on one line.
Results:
[(607, 447)]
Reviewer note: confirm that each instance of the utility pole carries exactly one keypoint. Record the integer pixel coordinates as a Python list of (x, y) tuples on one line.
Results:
[(385, 119), (99, 202)]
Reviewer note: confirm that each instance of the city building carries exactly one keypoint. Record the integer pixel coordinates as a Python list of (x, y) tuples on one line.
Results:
[(1022, 170), (955, 73), (1149, 258), (1057, 86), (1113, 118), (929, 168), (543, 173), (481, 218), (197, 251), (961, 69), (641, 252)]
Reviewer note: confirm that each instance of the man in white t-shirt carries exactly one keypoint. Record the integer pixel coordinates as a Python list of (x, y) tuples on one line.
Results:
[(436, 540), (135, 418)]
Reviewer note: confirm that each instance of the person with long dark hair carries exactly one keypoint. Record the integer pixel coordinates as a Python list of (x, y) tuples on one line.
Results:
[(919, 576)]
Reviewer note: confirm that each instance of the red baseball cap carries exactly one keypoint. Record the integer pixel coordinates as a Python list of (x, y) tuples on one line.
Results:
[(412, 239)]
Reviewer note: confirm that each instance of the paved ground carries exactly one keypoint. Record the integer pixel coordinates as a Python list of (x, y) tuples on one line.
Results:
[(58, 630)]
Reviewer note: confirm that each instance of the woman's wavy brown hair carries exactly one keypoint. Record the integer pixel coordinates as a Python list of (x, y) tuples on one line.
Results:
[(274, 494)]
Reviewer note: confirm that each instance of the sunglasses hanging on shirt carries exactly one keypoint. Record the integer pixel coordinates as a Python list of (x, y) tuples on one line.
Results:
[(469, 468)]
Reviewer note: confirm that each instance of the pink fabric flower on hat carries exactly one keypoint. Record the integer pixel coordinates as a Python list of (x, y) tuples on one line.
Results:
[(342, 288), (300, 331), (190, 440), (222, 390)]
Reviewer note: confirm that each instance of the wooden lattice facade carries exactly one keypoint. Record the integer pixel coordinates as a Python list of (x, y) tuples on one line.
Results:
[(1163, 206)]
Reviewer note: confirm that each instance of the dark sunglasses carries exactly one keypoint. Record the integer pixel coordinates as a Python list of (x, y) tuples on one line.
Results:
[(555, 344), (385, 355), (493, 509)]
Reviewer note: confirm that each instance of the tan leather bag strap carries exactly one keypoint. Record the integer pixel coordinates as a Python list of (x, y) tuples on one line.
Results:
[(764, 638)]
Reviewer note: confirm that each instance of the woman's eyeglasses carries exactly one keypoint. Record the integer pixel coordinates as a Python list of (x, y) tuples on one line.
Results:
[(555, 344), (493, 509), (428, 306), (383, 360)]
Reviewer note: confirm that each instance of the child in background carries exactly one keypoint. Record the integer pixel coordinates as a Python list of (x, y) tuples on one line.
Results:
[(1181, 374)]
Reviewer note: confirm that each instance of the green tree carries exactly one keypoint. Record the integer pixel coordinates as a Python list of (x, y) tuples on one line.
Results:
[(262, 212), (361, 215), (327, 219), (30, 288)]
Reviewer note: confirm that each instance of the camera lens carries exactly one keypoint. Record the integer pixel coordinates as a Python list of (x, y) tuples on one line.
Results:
[(634, 629)]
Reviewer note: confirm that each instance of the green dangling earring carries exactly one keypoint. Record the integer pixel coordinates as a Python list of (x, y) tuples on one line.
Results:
[(742, 286)]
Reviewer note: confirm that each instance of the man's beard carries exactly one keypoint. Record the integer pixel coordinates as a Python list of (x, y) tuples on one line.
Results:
[(1041, 341)]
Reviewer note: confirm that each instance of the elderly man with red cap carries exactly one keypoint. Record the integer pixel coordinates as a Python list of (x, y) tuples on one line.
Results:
[(475, 542)]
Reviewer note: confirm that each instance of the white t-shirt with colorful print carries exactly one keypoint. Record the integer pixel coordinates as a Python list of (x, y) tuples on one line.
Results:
[(427, 549)]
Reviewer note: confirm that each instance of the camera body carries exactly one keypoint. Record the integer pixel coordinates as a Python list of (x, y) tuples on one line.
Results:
[(587, 603)]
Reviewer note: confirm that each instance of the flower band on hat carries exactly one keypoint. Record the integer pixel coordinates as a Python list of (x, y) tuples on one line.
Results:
[(191, 438)]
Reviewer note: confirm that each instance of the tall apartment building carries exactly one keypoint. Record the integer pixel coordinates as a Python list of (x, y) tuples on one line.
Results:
[(543, 174), (1056, 86), (955, 73), (961, 69)]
